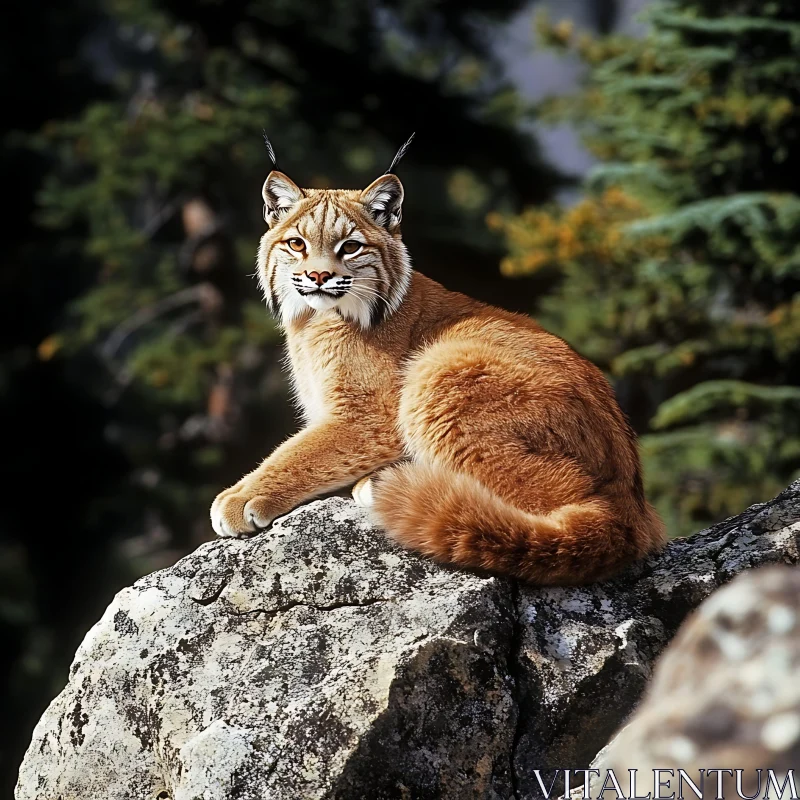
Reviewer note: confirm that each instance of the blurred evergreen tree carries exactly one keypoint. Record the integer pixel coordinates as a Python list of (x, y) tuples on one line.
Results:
[(166, 175), (53, 544), (679, 272), (139, 366)]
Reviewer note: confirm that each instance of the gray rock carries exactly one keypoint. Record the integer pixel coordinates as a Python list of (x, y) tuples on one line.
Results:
[(584, 656), (319, 661), (726, 693)]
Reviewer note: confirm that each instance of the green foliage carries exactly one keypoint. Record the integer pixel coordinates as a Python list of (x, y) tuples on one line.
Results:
[(139, 370), (161, 183), (711, 397), (679, 273)]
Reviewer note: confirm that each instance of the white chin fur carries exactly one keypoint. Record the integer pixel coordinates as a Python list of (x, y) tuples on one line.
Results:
[(321, 302), (292, 305), (349, 306), (356, 309)]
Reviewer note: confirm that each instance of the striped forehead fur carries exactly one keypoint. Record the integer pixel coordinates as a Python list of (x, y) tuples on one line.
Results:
[(377, 276)]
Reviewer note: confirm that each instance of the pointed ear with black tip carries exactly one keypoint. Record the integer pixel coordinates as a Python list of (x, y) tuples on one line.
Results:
[(280, 195), (383, 199)]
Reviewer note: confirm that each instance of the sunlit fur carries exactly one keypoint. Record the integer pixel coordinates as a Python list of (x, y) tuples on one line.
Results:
[(494, 445)]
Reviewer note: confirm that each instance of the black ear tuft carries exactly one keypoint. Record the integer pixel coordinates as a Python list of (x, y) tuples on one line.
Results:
[(280, 194), (270, 150), (400, 153), (383, 199)]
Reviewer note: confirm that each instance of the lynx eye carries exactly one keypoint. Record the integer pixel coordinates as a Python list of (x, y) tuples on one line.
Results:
[(298, 245), (351, 246)]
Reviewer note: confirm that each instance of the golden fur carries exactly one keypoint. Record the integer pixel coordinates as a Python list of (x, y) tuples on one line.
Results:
[(498, 447)]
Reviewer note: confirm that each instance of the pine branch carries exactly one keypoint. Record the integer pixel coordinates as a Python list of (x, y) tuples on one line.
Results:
[(716, 396)]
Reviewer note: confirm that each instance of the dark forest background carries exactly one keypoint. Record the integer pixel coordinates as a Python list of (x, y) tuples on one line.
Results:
[(139, 370)]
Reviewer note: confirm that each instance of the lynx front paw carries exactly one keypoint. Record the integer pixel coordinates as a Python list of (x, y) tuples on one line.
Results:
[(240, 512)]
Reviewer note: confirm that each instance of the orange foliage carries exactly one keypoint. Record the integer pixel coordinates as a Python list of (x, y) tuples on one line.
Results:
[(590, 230)]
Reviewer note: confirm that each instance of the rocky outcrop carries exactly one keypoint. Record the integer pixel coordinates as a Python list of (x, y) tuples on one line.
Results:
[(317, 660), (726, 694)]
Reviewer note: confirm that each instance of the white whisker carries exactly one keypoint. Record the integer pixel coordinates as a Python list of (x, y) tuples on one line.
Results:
[(367, 292)]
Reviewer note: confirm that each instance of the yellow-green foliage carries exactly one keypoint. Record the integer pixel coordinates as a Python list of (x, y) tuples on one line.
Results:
[(679, 271), (167, 320)]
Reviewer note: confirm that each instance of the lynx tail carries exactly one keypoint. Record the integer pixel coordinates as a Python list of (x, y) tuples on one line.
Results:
[(454, 519)]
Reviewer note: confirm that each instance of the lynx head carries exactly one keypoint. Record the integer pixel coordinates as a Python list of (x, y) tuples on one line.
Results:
[(334, 250)]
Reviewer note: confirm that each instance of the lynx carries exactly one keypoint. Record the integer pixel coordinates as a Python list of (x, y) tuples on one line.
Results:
[(477, 438)]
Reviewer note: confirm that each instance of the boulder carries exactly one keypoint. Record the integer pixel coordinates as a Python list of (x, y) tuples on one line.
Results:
[(318, 660), (726, 694)]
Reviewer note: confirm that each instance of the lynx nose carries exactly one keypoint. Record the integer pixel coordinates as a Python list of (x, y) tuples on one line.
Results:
[(319, 277)]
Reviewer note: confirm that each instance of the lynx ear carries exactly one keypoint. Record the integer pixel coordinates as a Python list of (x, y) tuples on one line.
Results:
[(383, 199), (280, 193)]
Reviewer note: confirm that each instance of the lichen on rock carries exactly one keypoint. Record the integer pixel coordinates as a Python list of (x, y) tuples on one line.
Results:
[(318, 660), (726, 693)]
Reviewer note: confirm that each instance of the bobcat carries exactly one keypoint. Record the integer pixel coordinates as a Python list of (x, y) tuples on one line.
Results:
[(480, 439)]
